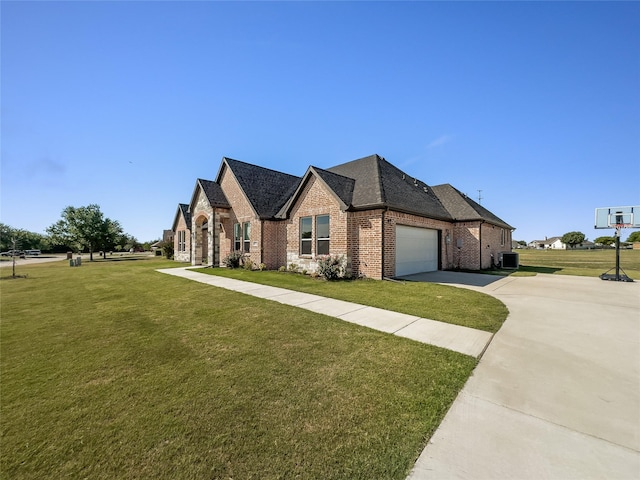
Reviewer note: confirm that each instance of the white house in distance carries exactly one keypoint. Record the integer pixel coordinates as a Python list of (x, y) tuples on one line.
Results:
[(555, 243)]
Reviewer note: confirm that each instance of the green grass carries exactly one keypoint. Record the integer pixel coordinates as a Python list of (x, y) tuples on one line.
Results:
[(113, 370), (427, 300), (590, 263)]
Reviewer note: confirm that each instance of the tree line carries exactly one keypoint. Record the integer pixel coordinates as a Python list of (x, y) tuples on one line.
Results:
[(79, 229)]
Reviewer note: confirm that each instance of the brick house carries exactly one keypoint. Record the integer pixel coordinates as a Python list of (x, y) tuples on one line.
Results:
[(384, 222)]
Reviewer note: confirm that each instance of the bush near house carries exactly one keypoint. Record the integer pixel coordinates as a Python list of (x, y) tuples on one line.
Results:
[(331, 267), (233, 260)]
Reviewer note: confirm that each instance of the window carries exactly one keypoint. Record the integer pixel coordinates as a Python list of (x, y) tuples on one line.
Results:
[(305, 235), (237, 237), (322, 235), (503, 234), (182, 240), (247, 236)]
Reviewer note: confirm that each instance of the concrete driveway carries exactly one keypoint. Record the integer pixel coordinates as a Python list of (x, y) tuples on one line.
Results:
[(556, 394)]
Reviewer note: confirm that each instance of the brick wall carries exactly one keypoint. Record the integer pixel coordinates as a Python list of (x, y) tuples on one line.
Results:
[(365, 243), (466, 245), (316, 200), (481, 244), (495, 240), (268, 237)]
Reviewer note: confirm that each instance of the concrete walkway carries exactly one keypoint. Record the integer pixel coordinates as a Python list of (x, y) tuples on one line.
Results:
[(556, 395), (453, 337)]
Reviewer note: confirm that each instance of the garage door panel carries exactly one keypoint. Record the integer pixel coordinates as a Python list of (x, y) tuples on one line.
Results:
[(416, 250)]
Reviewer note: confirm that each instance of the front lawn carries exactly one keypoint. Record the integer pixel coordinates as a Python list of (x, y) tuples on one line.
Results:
[(427, 300), (113, 370)]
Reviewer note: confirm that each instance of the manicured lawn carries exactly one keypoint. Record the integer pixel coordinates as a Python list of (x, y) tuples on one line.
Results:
[(427, 300), (113, 370), (590, 263)]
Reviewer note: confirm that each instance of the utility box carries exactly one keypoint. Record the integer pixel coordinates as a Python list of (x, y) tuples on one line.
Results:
[(509, 260)]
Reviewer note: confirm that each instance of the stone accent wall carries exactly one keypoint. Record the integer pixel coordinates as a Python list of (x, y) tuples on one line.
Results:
[(316, 200), (202, 244)]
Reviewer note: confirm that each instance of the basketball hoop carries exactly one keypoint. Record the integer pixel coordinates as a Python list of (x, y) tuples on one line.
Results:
[(618, 218)]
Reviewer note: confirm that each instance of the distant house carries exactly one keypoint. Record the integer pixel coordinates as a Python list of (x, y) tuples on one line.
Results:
[(384, 222), (555, 243)]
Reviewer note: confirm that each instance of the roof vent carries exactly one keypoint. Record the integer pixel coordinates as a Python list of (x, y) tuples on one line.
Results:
[(415, 182)]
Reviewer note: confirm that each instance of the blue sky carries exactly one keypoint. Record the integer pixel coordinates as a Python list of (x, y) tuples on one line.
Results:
[(125, 104)]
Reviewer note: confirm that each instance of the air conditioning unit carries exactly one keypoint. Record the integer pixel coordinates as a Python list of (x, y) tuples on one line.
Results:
[(509, 260)]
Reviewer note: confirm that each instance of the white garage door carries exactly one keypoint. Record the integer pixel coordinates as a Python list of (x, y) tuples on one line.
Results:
[(416, 250)]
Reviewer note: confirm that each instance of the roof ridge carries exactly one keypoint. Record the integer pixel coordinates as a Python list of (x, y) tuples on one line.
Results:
[(259, 166), (383, 193)]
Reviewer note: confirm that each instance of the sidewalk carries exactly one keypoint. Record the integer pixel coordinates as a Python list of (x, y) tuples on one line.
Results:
[(460, 339)]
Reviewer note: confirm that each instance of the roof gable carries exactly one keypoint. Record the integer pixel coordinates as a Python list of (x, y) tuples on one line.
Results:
[(339, 186), (212, 191), (183, 210), (462, 208), (266, 190)]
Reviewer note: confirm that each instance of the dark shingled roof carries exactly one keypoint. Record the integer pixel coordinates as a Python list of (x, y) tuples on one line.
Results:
[(214, 193), (342, 186), (462, 208), (183, 209), (379, 184), (266, 189)]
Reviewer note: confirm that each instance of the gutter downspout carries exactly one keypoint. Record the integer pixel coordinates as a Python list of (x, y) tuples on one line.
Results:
[(480, 238), (383, 257), (261, 241)]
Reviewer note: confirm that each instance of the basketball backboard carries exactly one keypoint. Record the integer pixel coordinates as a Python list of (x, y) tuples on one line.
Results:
[(618, 217)]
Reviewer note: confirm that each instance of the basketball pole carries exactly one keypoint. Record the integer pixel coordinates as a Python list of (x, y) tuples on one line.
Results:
[(617, 254), (617, 277)]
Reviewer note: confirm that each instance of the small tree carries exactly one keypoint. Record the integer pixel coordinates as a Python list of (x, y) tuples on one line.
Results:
[(572, 239), (606, 241), (167, 249), (634, 237)]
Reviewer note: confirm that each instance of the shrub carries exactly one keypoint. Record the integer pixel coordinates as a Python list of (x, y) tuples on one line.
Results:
[(232, 260), (247, 264), (262, 266), (282, 269), (167, 250), (293, 268), (331, 268)]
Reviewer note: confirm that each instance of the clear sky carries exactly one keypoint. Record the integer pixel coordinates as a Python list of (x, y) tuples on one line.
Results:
[(125, 104)]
